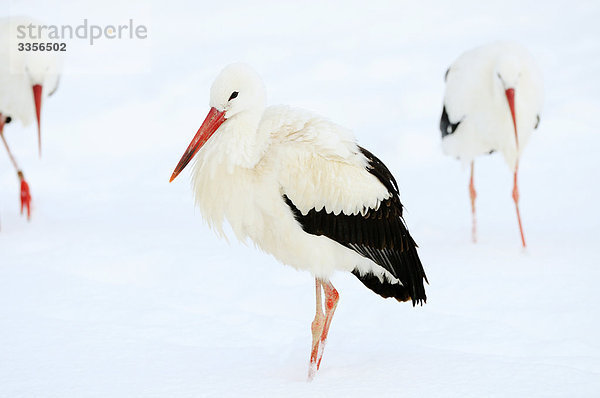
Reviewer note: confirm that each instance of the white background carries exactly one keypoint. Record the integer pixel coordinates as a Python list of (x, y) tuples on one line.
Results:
[(117, 287)]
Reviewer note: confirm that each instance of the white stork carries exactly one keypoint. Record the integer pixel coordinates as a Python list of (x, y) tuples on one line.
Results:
[(26, 77), (493, 102), (301, 188)]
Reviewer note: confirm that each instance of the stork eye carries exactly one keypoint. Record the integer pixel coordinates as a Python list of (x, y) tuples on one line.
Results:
[(233, 95)]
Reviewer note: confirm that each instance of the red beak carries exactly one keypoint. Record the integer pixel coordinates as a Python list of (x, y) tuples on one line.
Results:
[(213, 120), (510, 97), (37, 97)]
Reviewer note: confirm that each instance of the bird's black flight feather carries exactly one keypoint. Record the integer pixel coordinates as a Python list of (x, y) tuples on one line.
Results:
[(380, 235), (446, 127)]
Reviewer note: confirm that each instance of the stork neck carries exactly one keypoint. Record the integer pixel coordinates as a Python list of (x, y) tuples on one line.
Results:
[(245, 144)]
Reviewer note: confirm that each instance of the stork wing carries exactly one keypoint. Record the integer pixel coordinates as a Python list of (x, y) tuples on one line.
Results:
[(354, 200)]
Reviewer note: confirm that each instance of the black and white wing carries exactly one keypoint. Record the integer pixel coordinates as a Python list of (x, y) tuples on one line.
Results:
[(376, 231)]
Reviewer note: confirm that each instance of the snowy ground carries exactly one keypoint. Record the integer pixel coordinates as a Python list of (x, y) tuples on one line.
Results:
[(117, 288)]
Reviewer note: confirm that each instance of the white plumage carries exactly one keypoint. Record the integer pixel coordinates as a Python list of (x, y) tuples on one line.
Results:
[(26, 78), (301, 189), (493, 101), (314, 170), (21, 71), (475, 96)]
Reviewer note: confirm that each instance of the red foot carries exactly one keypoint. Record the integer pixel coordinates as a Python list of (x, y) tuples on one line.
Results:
[(317, 348), (25, 198), (331, 299), (320, 325)]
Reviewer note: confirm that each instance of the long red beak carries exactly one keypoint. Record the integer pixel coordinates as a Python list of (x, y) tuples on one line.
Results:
[(37, 97), (213, 120), (510, 97)]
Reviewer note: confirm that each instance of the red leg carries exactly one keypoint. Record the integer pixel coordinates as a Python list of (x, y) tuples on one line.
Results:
[(331, 299), (10, 155), (25, 193), (317, 329), (25, 196), (515, 195), (473, 195), (321, 323)]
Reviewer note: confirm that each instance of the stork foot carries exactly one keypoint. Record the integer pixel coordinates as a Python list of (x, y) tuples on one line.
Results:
[(331, 299), (320, 325), (317, 348), (25, 195)]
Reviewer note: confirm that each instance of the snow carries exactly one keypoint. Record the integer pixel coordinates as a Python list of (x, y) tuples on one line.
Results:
[(117, 287)]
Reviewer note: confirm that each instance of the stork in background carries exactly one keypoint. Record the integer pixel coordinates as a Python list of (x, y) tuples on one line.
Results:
[(26, 77), (493, 101), (302, 189)]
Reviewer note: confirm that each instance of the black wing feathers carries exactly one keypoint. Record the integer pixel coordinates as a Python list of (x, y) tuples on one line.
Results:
[(446, 127), (380, 235)]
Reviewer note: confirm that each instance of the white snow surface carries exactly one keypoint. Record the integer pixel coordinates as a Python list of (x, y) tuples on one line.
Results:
[(117, 288)]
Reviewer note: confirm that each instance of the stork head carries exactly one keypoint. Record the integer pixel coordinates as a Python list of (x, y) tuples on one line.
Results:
[(508, 73), (42, 71), (238, 90)]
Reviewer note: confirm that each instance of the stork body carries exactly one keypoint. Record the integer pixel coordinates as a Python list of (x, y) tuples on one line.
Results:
[(300, 187), (493, 101), (26, 77)]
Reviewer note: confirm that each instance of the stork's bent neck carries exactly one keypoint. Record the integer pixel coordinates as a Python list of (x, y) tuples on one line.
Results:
[(247, 142), (239, 142)]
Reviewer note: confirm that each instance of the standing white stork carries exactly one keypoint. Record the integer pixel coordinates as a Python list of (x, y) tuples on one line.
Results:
[(301, 188), (26, 77), (493, 101)]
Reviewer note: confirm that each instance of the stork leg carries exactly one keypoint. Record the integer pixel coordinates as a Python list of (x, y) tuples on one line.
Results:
[(317, 329), (10, 155), (331, 299), (25, 193), (515, 195), (320, 325), (473, 195), (25, 196)]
